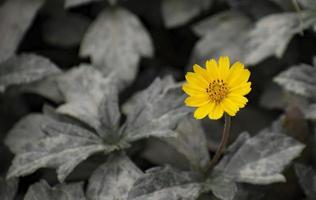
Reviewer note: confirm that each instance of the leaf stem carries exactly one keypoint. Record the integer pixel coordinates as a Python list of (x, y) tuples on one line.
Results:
[(222, 145)]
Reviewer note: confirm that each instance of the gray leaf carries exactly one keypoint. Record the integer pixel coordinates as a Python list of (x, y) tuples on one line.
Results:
[(84, 88), (299, 79), (27, 130), (8, 189), (307, 179), (109, 116), (191, 142), (115, 42), (46, 87), (66, 30), (168, 155), (228, 38), (155, 111), (224, 22), (222, 180), (310, 112), (41, 190), (232, 149), (15, 18), (307, 4), (261, 159), (286, 5), (63, 148), (114, 179), (25, 68), (222, 187), (273, 97), (272, 34), (166, 183), (112, 2), (74, 3), (278, 125), (178, 12), (256, 9)]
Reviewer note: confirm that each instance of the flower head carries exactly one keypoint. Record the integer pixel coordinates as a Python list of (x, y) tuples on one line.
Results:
[(218, 88)]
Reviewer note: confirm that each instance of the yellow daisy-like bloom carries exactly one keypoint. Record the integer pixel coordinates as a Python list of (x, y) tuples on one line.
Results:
[(217, 89)]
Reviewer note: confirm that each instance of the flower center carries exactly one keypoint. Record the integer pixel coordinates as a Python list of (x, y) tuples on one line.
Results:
[(217, 90)]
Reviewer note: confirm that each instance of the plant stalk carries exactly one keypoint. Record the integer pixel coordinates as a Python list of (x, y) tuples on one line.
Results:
[(222, 145)]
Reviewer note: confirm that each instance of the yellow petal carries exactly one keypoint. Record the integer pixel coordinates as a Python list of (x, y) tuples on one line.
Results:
[(196, 102), (242, 78), (216, 113), (196, 80), (202, 72), (238, 75), (192, 91), (234, 84), (239, 100), (236, 68), (230, 107), (195, 87), (235, 71), (203, 111), (223, 66), (241, 89), (212, 69)]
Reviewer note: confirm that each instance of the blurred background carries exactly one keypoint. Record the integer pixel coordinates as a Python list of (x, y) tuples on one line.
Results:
[(141, 40)]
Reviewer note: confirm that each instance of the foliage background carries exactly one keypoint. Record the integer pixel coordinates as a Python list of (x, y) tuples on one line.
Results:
[(127, 44)]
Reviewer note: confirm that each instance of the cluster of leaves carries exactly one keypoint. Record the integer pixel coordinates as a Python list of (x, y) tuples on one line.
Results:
[(148, 146)]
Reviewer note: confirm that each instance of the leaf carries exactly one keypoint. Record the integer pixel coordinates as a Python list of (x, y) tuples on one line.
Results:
[(166, 183), (191, 142), (255, 9), (84, 88), (228, 38), (299, 79), (232, 149), (285, 5), (65, 30), (257, 160), (8, 189), (307, 4), (75, 3), (310, 111), (25, 68), (224, 22), (273, 97), (63, 148), (25, 131), (272, 34), (307, 180), (41, 190), (46, 87), (168, 155), (260, 159), (178, 12), (109, 117), (155, 111), (15, 18), (222, 187), (114, 179), (116, 41)]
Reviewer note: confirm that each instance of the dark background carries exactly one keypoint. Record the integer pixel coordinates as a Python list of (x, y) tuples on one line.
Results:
[(173, 50)]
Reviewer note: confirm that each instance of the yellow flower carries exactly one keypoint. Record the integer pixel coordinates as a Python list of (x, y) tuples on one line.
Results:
[(217, 89)]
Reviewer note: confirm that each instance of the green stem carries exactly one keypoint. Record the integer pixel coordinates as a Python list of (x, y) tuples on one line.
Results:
[(222, 145)]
